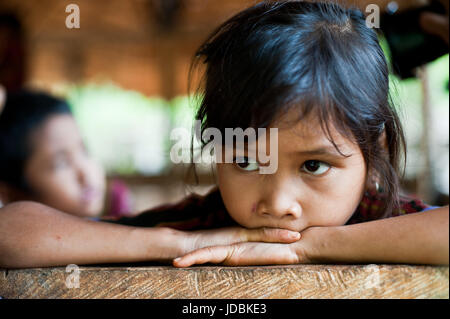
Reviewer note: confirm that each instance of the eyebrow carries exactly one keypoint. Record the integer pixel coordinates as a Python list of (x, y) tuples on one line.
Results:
[(321, 150), (325, 150)]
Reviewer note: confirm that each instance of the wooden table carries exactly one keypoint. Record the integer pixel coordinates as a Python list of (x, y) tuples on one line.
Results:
[(298, 281)]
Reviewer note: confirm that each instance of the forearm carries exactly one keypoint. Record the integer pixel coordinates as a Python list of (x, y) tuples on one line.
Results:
[(421, 238), (33, 235)]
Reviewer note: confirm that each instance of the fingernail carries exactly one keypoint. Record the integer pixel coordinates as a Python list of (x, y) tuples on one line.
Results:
[(177, 259), (294, 235)]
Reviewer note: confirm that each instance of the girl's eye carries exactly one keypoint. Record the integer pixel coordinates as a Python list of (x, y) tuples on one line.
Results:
[(245, 164), (315, 167), (60, 162)]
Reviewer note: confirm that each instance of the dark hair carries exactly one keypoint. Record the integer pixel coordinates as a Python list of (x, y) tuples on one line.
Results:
[(24, 111), (312, 57)]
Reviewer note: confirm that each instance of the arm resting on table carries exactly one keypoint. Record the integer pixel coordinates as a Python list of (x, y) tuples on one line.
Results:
[(420, 238), (34, 235)]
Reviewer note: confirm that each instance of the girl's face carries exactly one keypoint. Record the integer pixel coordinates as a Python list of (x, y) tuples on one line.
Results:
[(60, 172), (313, 186)]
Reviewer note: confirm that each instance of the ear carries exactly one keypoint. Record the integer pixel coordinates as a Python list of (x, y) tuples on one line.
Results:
[(373, 180), (382, 141)]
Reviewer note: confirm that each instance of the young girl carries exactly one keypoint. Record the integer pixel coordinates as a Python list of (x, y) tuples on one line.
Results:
[(318, 74), (43, 157)]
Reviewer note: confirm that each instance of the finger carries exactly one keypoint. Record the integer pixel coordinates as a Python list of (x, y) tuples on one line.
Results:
[(241, 254), (215, 254), (272, 235), (261, 254)]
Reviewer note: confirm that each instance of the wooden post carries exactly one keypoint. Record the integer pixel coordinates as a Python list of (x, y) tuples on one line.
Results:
[(425, 184)]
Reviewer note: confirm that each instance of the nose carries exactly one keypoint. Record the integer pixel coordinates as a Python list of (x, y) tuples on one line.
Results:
[(82, 177), (280, 205), (82, 173)]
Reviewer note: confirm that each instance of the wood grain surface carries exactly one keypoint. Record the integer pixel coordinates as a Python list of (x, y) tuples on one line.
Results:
[(299, 281)]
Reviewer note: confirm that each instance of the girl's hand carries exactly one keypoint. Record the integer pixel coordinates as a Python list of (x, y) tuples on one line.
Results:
[(240, 254), (233, 235)]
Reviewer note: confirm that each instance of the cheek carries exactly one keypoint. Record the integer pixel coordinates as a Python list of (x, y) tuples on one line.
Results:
[(57, 184), (238, 195), (336, 203), (57, 190), (96, 175), (333, 213)]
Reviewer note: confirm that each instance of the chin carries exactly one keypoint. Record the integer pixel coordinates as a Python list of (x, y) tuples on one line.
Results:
[(289, 226), (91, 211), (297, 227)]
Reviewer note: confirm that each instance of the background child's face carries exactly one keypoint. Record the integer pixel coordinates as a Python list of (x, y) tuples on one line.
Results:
[(60, 172), (320, 188)]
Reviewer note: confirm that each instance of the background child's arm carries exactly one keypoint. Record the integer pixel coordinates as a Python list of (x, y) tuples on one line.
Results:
[(419, 238), (34, 235)]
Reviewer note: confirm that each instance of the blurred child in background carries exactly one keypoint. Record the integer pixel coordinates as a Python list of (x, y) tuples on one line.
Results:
[(43, 158)]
